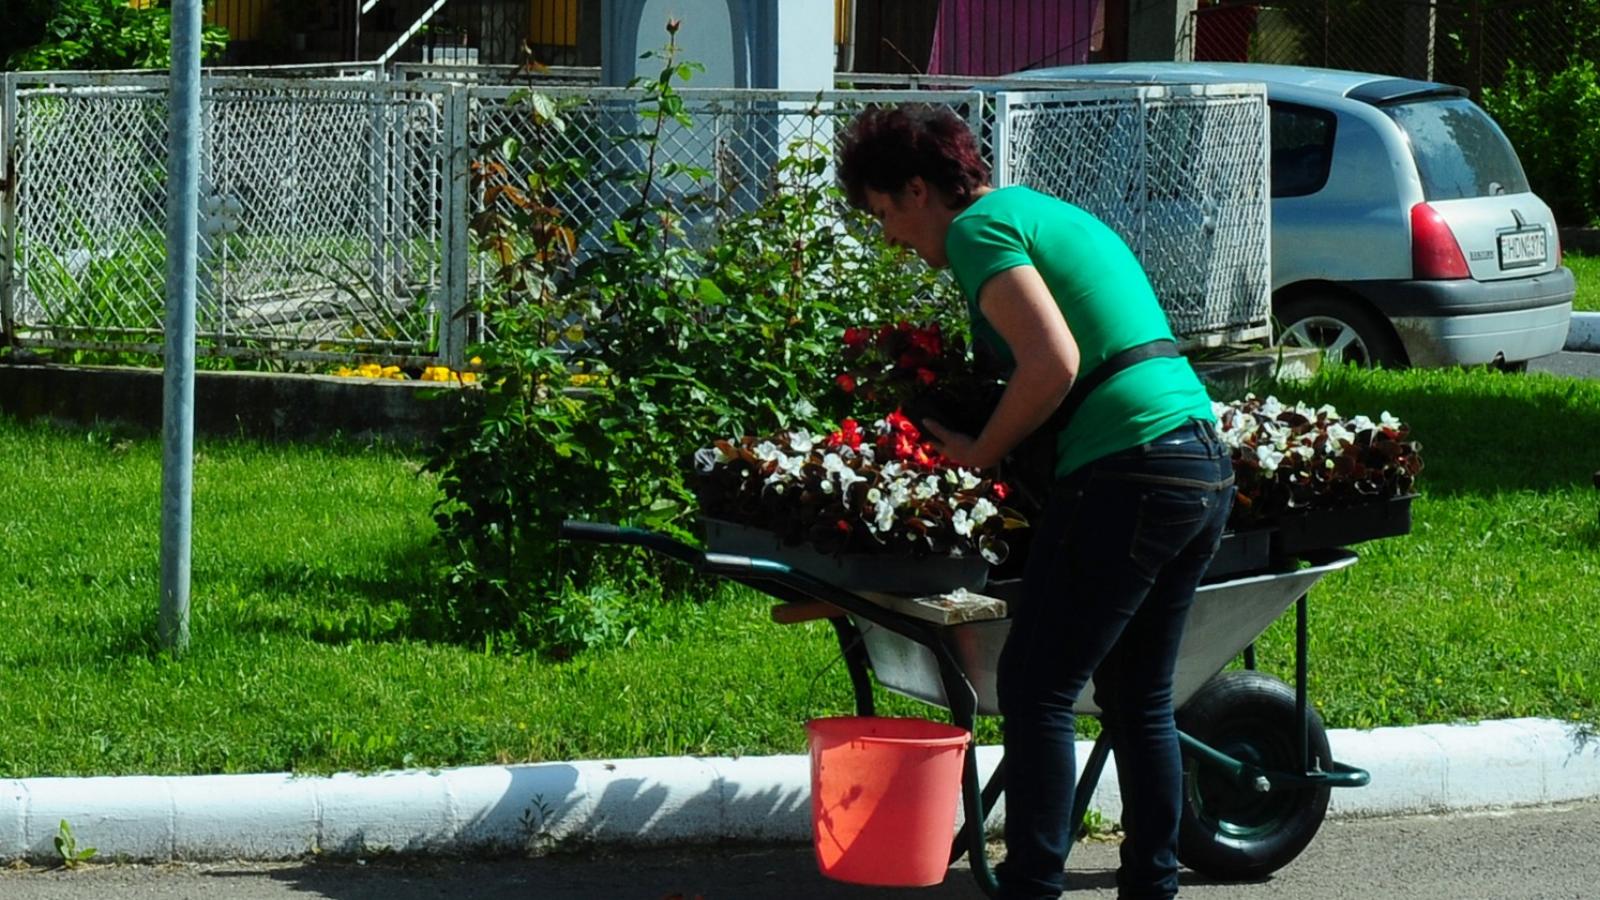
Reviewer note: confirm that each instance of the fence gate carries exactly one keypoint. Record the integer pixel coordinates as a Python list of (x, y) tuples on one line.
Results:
[(323, 205), (1180, 172)]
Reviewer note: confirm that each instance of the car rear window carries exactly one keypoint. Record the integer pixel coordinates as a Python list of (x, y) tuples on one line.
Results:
[(1460, 152)]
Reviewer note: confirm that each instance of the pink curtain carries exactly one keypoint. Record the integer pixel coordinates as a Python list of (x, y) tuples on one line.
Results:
[(997, 37)]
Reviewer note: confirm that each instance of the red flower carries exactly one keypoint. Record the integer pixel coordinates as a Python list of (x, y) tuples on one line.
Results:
[(999, 490), (855, 337), (903, 425), (927, 340), (846, 383), (926, 376), (843, 526)]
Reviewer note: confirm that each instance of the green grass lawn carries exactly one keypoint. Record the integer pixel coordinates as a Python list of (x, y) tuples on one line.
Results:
[(1587, 270), (307, 561)]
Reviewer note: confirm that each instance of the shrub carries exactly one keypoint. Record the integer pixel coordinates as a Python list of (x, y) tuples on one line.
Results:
[(1554, 122), (106, 34), (668, 340)]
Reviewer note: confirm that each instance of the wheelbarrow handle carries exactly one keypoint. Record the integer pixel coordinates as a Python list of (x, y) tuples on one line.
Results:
[(597, 532), (606, 533)]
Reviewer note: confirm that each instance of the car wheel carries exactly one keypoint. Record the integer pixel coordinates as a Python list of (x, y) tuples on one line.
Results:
[(1343, 329)]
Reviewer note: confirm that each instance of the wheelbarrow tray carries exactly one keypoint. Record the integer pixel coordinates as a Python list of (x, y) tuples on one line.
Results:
[(1227, 617)]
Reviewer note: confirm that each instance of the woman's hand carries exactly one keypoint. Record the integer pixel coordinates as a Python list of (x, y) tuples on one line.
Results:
[(961, 449)]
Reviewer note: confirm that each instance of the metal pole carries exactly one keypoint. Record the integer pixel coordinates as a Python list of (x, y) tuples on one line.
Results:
[(177, 420)]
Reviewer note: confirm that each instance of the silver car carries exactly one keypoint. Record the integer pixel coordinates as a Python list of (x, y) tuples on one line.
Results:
[(1403, 228)]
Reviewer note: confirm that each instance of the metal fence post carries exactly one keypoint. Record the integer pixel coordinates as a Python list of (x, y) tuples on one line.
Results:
[(1000, 168), (8, 211), (457, 158)]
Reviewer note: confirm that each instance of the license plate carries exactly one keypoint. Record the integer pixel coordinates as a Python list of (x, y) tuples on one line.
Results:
[(1522, 248)]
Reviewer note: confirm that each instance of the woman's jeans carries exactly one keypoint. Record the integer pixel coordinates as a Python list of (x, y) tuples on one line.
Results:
[(1108, 585)]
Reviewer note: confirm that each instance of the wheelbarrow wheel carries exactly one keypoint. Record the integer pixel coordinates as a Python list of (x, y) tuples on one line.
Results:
[(1231, 831)]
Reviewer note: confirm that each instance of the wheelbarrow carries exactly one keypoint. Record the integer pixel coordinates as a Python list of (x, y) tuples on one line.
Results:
[(1257, 765)]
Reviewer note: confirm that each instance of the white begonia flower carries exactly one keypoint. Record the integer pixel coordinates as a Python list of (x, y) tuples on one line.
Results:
[(899, 493), (801, 441), (925, 488), (1327, 409), (847, 477), (1268, 458), (982, 510), (766, 451), (778, 488), (1388, 420), (892, 469), (1340, 436), (962, 523), (826, 486), (1305, 451), (883, 515), (1359, 424), (951, 476), (1271, 408), (706, 459), (804, 409), (969, 479), (874, 495), (1219, 409)]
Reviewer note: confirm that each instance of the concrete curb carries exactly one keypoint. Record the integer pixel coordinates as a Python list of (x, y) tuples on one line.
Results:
[(1584, 334), (487, 809)]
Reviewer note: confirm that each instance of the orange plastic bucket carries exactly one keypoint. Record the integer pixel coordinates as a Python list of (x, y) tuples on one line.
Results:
[(884, 793)]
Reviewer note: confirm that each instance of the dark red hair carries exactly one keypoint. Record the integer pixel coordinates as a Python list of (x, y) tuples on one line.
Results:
[(885, 147)]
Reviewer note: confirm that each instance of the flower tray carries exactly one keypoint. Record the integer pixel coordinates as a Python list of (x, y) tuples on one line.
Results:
[(1249, 550), (862, 573), (1322, 529)]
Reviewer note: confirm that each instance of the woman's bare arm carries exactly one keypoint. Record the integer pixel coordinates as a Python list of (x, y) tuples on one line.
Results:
[(1019, 306)]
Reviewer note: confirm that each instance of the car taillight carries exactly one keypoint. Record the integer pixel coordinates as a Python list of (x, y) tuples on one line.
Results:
[(1435, 254)]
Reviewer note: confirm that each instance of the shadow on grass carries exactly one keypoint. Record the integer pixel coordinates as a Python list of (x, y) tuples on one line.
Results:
[(385, 600)]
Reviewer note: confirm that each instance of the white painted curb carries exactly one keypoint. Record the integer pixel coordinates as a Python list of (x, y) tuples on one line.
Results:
[(1583, 336), (1427, 769)]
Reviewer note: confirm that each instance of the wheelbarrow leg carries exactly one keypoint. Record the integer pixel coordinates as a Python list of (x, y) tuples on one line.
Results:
[(1301, 716), (963, 703), (1088, 780), (855, 659), (991, 795)]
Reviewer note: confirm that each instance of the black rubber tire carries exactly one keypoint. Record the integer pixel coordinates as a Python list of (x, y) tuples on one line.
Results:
[(1229, 831), (1340, 325)]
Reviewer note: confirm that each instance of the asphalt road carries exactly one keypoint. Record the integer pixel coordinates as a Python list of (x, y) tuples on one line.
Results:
[(1582, 365), (1541, 854)]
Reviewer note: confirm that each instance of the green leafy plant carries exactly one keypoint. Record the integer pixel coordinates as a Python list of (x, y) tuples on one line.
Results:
[(1554, 123), (110, 34), (619, 350), (67, 847)]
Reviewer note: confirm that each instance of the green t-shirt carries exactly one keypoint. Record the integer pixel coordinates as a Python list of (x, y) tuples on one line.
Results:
[(1108, 304)]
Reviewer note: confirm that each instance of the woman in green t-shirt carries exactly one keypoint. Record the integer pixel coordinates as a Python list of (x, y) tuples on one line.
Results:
[(1142, 491)]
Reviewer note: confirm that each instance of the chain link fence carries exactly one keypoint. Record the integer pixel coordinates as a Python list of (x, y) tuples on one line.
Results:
[(322, 223), (1179, 172), (336, 210), (1467, 42)]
